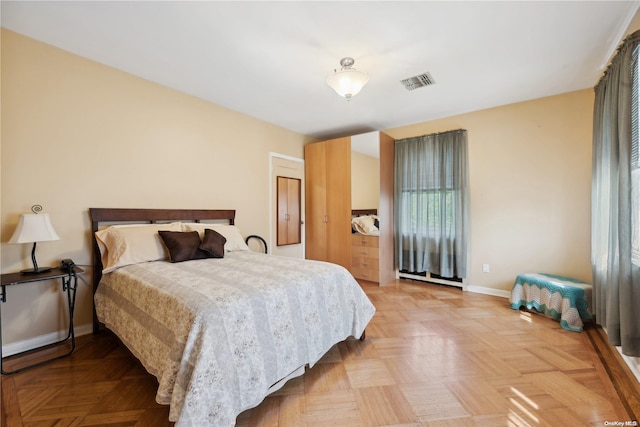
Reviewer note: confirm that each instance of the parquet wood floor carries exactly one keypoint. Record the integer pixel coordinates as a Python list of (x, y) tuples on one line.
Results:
[(433, 356)]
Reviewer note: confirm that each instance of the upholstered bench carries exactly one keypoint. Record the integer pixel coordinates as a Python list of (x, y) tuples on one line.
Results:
[(558, 297)]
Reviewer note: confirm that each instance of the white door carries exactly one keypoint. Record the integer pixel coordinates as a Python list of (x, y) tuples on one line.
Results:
[(289, 167)]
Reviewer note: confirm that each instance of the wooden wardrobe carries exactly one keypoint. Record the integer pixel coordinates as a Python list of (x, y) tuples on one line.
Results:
[(328, 203)]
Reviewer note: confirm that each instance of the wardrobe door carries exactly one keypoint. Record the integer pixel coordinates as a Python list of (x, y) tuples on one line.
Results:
[(338, 196), (288, 209), (315, 167)]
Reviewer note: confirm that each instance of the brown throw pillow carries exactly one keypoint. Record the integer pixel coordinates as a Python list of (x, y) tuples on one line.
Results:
[(213, 243), (182, 245)]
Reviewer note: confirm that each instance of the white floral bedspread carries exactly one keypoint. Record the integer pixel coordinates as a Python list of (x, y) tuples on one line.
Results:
[(219, 333)]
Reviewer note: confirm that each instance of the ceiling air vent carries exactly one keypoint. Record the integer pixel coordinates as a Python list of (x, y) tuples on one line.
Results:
[(418, 81)]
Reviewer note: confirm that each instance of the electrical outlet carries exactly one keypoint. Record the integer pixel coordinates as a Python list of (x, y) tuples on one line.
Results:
[(485, 268)]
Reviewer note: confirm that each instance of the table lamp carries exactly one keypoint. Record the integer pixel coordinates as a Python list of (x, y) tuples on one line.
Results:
[(34, 228)]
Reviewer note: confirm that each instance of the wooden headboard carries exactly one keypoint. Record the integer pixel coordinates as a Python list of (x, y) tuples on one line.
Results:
[(110, 216), (362, 212)]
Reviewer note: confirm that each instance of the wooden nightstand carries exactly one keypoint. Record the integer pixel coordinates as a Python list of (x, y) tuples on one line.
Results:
[(69, 285)]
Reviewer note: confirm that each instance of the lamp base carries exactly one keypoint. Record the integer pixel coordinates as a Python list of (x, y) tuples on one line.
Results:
[(38, 271)]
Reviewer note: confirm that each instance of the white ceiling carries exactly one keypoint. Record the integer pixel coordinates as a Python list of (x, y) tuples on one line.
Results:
[(270, 59)]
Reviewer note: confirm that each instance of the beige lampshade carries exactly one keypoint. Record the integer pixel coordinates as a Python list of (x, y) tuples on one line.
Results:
[(34, 228), (348, 81)]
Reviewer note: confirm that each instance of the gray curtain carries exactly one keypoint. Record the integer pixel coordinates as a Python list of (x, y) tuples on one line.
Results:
[(431, 203), (615, 229)]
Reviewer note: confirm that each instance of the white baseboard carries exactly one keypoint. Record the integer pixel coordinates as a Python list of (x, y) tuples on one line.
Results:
[(465, 287), (42, 340), (632, 362), (489, 291), (429, 279)]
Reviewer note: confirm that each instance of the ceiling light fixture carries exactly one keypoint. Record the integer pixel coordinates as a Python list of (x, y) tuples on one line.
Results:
[(348, 81)]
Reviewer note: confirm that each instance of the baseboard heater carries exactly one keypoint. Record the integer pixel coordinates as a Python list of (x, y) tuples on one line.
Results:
[(431, 278)]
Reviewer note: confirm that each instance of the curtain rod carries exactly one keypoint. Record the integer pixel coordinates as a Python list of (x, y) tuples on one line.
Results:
[(432, 134), (625, 42)]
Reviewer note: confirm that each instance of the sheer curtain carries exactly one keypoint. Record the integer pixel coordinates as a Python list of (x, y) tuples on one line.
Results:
[(615, 233), (431, 203)]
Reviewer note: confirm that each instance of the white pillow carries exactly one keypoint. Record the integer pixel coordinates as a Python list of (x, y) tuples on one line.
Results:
[(364, 224), (235, 242), (122, 245)]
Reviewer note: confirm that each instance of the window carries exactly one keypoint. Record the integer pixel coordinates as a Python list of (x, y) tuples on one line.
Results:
[(432, 211), (431, 199), (615, 198)]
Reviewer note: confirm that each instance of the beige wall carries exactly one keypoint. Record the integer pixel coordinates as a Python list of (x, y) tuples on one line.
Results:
[(78, 134), (530, 186), (365, 181), (530, 181)]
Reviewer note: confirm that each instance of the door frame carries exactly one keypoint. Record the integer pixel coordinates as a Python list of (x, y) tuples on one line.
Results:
[(272, 194)]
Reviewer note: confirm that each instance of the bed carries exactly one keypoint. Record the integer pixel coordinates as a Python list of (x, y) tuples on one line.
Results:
[(219, 333), (365, 221)]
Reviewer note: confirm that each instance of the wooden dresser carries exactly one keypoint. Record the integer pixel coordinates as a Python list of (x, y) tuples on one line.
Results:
[(328, 206), (365, 257)]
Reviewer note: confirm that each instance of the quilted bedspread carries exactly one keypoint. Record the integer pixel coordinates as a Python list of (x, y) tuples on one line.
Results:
[(558, 297), (220, 334)]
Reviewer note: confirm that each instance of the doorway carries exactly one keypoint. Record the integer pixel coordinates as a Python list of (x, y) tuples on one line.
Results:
[(293, 168)]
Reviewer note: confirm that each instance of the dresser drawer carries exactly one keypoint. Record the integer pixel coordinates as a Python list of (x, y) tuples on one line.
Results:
[(364, 261), (365, 252), (366, 273), (362, 240), (365, 257)]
